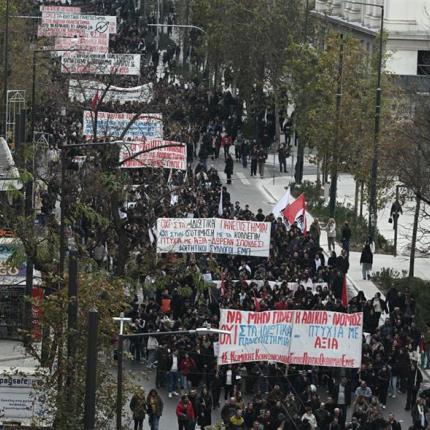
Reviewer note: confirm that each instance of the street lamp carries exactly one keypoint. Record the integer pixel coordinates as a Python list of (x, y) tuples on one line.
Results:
[(200, 331), (373, 211)]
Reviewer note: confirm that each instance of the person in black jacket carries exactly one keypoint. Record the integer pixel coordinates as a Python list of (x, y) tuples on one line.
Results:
[(341, 393), (395, 425), (366, 261), (228, 170), (414, 380), (346, 236)]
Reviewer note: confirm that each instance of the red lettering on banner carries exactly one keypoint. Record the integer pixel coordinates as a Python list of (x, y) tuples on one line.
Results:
[(258, 317), (326, 343), (347, 319), (234, 317), (314, 317)]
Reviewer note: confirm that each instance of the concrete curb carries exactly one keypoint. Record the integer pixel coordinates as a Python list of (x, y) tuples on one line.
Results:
[(13, 358)]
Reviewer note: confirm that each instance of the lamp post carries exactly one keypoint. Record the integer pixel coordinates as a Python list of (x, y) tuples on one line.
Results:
[(201, 331), (373, 211), (6, 64)]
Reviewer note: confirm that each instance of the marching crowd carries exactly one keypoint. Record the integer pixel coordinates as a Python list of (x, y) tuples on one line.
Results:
[(180, 292), (278, 397)]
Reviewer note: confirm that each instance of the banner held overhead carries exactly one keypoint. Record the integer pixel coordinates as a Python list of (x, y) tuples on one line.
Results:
[(111, 124), (314, 338), (159, 154), (213, 235)]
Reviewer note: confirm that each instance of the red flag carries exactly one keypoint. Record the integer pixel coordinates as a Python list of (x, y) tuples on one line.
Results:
[(296, 212), (95, 100), (344, 293)]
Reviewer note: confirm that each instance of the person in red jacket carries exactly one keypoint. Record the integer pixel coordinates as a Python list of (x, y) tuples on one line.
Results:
[(185, 413), (187, 365)]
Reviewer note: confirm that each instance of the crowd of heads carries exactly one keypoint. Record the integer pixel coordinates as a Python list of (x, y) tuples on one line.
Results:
[(180, 294)]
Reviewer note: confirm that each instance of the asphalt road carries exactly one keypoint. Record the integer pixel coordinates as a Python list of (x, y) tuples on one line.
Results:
[(246, 189)]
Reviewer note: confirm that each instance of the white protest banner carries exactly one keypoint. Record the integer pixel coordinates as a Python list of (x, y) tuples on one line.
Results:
[(213, 235), (168, 157), (113, 124), (292, 286), (66, 9), (62, 24), (84, 91), (100, 64), (312, 338), (99, 43)]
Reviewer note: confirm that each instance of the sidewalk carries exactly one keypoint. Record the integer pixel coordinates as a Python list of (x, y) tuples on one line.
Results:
[(13, 354)]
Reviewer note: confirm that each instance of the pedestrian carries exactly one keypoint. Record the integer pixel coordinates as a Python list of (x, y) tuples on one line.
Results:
[(315, 231), (228, 170), (366, 261), (331, 233), (282, 156), (261, 159), (138, 406), (238, 145), (254, 161), (236, 421), (217, 144), (229, 381), (419, 414), (172, 377), (204, 408), (185, 413), (244, 152), (187, 365), (346, 236), (415, 378), (155, 409), (225, 143)]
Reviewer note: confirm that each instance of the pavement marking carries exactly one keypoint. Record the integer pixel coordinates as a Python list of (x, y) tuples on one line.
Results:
[(243, 178)]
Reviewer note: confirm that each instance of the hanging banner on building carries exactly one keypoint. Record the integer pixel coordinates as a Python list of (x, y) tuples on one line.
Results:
[(65, 9), (63, 24), (98, 43), (83, 91), (100, 64), (311, 338), (154, 153), (113, 124), (213, 235)]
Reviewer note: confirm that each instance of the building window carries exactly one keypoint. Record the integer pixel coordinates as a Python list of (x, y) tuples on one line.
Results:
[(423, 63)]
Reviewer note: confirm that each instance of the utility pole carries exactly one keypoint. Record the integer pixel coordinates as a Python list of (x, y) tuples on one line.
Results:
[(334, 166), (414, 237), (6, 64), (298, 176), (91, 374)]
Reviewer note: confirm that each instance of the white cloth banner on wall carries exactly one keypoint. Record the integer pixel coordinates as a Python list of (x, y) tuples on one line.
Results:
[(97, 43)]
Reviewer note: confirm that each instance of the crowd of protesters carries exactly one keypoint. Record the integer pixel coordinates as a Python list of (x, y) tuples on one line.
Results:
[(278, 397), (181, 295)]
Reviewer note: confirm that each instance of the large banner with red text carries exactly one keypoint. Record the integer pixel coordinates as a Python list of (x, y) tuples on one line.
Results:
[(313, 338), (213, 235), (154, 153)]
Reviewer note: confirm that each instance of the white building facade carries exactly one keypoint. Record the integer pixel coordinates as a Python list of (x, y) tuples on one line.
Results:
[(406, 22)]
